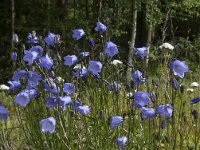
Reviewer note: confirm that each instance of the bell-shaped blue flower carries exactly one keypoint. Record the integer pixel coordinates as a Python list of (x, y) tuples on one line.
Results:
[(195, 100), (51, 87), (37, 49), (85, 109), (165, 110), (121, 141), (51, 39), (95, 67), (14, 85), (22, 99), (30, 57), (116, 121), (51, 101), (137, 78), (48, 125), (64, 101), (100, 27), (141, 99), (32, 93), (18, 75), (142, 52), (179, 68), (70, 60), (33, 78), (78, 34), (69, 88), (80, 71), (14, 56), (3, 113), (148, 113), (111, 49), (32, 38), (46, 62)]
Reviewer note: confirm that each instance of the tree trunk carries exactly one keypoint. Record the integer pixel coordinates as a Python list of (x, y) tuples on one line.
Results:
[(13, 23), (148, 43), (132, 44)]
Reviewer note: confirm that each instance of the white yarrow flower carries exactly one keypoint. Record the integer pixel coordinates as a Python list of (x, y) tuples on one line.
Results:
[(116, 62), (4, 87), (167, 46), (190, 90), (194, 84)]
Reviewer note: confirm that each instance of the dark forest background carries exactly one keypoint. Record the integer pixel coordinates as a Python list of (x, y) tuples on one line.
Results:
[(174, 21)]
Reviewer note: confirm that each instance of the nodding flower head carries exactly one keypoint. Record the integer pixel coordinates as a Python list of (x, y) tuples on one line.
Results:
[(111, 49), (48, 125), (165, 110), (141, 99), (115, 121), (121, 141), (78, 34), (52, 39), (70, 60), (95, 67), (142, 52), (100, 27), (137, 78), (179, 68)]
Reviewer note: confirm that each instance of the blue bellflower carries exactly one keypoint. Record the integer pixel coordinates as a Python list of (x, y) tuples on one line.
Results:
[(148, 113), (3, 113), (116, 121), (165, 110), (37, 49), (179, 68), (52, 39), (51, 87), (22, 99), (83, 109), (14, 56), (95, 67), (142, 52), (78, 34), (195, 100), (18, 75), (141, 99), (70, 60), (30, 57), (111, 49), (48, 125), (51, 101), (69, 88), (137, 78), (46, 62), (32, 93), (100, 27), (32, 38), (33, 78), (121, 141), (80, 71), (64, 101), (14, 85)]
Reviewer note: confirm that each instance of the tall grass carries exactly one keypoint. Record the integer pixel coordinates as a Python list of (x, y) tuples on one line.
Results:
[(93, 131)]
